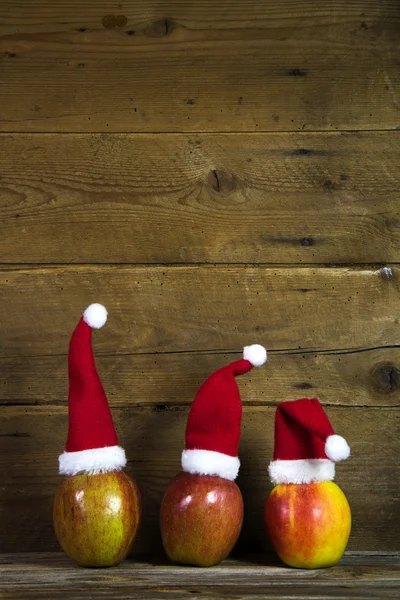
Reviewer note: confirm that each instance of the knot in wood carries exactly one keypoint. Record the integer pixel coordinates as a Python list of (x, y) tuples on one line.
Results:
[(386, 377), (307, 241), (221, 181), (159, 28)]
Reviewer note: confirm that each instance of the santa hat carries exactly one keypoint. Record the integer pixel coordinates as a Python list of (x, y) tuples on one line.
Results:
[(306, 447), (213, 426), (92, 444)]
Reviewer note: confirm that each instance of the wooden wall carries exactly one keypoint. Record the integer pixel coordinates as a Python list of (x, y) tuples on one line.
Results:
[(217, 173)]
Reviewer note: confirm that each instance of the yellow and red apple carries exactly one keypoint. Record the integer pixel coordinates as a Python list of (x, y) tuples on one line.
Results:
[(308, 524), (96, 517), (201, 518)]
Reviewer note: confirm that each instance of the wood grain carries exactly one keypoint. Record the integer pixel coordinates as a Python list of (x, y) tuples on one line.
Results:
[(185, 309), (276, 198), (44, 575), (267, 231), (204, 66), (354, 589), (339, 378), (32, 438)]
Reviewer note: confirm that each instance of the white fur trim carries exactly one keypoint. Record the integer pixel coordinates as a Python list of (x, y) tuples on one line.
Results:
[(301, 470), (96, 460), (255, 354), (336, 448), (95, 315), (207, 462)]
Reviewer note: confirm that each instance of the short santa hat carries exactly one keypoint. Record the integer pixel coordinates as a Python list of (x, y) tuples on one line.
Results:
[(306, 447), (92, 444), (213, 426)]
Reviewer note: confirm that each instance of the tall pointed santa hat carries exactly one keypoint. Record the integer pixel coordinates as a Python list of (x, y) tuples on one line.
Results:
[(213, 426), (306, 447), (92, 444)]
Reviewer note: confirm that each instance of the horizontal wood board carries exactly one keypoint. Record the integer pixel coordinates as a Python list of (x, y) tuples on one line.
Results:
[(199, 66), (339, 377), (273, 198), (185, 309), (52, 575), (32, 438)]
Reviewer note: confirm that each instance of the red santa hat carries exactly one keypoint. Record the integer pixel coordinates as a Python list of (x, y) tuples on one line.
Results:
[(213, 426), (92, 444), (306, 447)]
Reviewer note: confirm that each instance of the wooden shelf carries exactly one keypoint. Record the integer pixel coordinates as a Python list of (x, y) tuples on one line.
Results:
[(53, 575)]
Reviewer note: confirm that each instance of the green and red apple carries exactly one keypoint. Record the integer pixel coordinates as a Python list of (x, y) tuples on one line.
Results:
[(96, 517)]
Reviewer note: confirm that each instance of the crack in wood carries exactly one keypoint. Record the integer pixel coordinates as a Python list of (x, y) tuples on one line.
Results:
[(227, 351), (217, 182)]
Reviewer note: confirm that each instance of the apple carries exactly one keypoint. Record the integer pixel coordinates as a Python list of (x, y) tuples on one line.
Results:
[(201, 518), (96, 517), (308, 524)]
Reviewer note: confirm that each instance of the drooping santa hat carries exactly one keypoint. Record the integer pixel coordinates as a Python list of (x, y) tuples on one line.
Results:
[(213, 426), (92, 443), (306, 447)]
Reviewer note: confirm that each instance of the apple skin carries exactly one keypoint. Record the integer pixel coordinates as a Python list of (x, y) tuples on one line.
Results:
[(201, 518), (308, 524), (96, 517)]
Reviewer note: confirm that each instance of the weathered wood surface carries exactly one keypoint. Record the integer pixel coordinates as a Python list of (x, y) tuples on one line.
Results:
[(32, 438), (339, 378), (274, 198), (45, 575), (203, 66), (193, 308)]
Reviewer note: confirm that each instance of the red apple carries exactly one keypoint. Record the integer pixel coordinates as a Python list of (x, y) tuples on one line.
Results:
[(201, 519), (96, 517), (308, 524)]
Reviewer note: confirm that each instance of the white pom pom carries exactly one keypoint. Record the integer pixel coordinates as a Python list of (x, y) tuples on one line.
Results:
[(95, 315), (336, 448), (255, 354)]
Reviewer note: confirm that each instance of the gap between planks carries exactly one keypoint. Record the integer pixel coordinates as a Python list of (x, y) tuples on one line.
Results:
[(169, 406), (368, 266), (271, 132)]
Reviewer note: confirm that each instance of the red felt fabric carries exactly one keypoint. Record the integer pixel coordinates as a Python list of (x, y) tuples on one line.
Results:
[(215, 416), (90, 421), (301, 429)]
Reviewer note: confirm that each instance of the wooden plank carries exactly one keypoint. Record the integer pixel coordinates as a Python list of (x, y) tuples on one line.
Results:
[(365, 378), (51, 573), (32, 438), (279, 198), (204, 66), (182, 309), (354, 590)]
